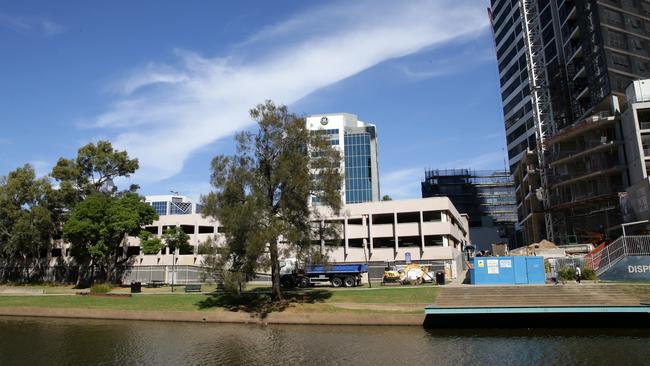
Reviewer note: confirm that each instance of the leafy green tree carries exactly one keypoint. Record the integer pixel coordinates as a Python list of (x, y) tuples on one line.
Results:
[(207, 247), (98, 228), (93, 171), (175, 238), (386, 198), (262, 193), (149, 243), (26, 220)]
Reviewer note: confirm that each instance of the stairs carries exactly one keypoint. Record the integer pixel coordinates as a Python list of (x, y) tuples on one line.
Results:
[(543, 295)]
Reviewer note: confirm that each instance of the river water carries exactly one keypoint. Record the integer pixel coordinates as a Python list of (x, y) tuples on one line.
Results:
[(30, 341)]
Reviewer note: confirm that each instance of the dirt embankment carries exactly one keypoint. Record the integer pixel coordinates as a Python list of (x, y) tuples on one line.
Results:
[(339, 318)]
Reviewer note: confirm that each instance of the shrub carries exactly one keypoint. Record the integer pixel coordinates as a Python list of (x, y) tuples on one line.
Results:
[(101, 288), (233, 282), (589, 274), (207, 247), (569, 274)]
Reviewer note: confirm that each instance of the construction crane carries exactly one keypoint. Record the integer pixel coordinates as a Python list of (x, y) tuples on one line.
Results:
[(540, 98)]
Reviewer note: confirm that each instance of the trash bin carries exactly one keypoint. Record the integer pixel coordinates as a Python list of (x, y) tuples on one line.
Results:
[(136, 287), (440, 278)]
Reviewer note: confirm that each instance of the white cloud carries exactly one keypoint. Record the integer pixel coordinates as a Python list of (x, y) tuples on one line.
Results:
[(41, 167), (24, 24), (169, 112)]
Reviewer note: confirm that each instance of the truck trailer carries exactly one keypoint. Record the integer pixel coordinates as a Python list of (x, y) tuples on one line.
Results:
[(347, 275)]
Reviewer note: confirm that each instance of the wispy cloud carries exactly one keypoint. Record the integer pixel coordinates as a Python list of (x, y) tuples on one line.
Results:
[(489, 160), (169, 111), (25, 24), (402, 183), (468, 57), (41, 167)]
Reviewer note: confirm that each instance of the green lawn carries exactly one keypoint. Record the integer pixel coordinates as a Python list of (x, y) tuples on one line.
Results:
[(143, 302), (387, 295), (309, 300)]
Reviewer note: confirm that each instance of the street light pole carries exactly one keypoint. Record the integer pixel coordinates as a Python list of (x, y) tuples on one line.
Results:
[(173, 267), (365, 247)]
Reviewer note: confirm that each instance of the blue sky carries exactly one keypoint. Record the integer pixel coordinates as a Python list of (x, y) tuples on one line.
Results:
[(170, 82)]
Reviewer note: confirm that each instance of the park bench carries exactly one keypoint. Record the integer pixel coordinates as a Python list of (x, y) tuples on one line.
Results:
[(155, 283), (193, 288)]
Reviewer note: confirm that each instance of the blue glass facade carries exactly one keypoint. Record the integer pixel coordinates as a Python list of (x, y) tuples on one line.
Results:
[(358, 168), (181, 208), (160, 207)]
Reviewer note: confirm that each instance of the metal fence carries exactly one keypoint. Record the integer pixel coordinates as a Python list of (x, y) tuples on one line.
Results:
[(622, 247), (163, 274), (127, 274), (376, 269)]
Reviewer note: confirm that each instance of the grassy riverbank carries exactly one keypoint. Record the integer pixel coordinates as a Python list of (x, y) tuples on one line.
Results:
[(395, 300)]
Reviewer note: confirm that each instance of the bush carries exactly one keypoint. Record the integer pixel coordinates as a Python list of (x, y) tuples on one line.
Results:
[(569, 274), (233, 282), (207, 247), (101, 288)]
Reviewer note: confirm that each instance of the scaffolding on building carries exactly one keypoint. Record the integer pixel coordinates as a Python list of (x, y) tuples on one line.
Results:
[(540, 98)]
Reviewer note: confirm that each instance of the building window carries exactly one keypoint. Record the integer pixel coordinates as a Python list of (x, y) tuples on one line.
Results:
[(160, 207), (358, 168), (180, 208)]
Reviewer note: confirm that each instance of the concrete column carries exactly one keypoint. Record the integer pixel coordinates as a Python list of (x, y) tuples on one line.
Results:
[(345, 236), (421, 234), (371, 247), (322, 239), (445, 241), (395, 235)]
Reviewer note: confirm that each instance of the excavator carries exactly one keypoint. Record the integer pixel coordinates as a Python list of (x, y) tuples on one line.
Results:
[(413, 274)]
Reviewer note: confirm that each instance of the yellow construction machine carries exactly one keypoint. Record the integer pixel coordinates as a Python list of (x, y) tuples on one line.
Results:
[(413, 274)]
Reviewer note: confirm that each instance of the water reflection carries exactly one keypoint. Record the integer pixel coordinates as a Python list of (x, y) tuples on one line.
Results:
[(95, 342)]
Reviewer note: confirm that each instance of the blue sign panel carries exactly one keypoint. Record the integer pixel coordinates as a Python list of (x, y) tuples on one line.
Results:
[(407, 257), (632, 268)]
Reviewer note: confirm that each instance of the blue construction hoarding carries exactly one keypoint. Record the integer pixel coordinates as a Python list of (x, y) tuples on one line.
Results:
[(508, 270)]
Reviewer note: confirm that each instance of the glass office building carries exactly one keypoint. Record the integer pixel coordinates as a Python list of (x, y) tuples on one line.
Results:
[(357, 142)]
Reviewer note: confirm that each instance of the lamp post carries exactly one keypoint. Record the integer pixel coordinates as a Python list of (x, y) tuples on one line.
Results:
[(365, 247), (173, 267)]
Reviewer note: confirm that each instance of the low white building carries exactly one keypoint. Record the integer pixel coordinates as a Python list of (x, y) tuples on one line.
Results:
[(428, 230)]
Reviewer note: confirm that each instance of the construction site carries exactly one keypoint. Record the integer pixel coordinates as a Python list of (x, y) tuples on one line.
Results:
[(570, 151), (486, 196)]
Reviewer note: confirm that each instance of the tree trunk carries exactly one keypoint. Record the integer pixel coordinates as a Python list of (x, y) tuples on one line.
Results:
[(276, 292)]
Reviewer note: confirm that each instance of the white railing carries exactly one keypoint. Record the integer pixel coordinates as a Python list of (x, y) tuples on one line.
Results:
[(617, 250)]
